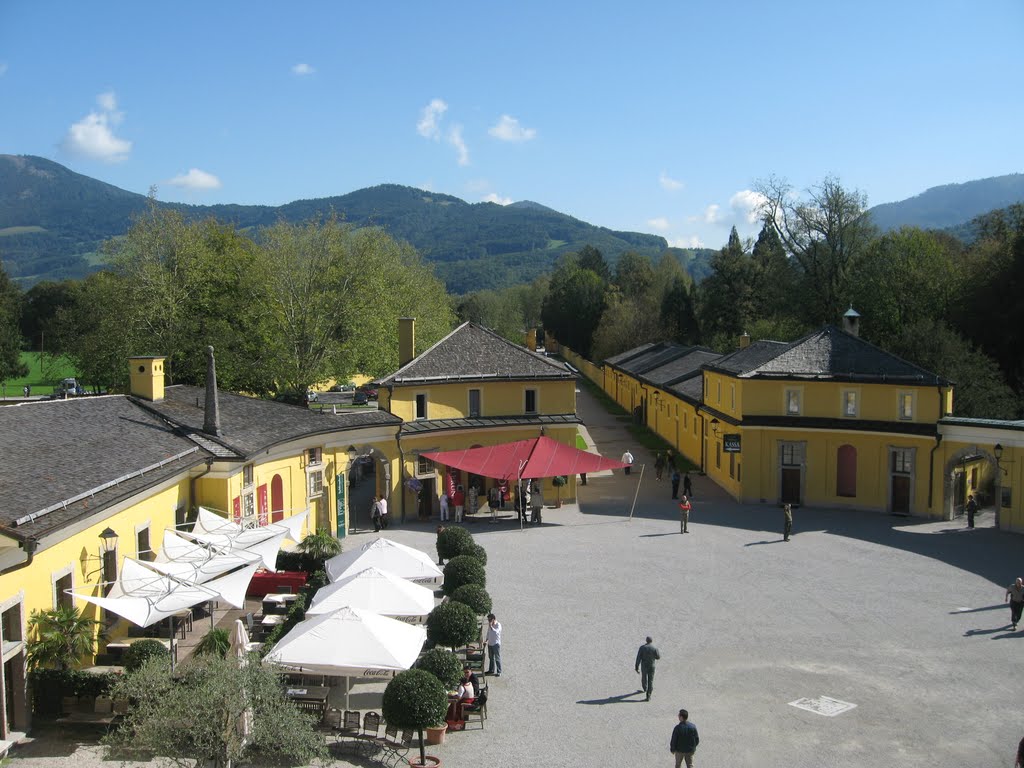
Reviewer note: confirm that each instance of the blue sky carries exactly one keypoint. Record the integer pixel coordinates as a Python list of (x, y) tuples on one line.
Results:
[(649, 116)]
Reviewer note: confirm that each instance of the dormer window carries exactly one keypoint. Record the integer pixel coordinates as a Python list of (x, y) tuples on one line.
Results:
[(906, 405), (247, 475), (792, 402), (530, 405), (421, 406), (474, 403), (849, 403)]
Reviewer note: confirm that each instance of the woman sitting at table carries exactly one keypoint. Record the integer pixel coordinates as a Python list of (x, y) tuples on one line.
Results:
[(464, 695)]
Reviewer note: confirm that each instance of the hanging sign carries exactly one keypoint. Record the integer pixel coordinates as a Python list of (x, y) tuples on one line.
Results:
[(731, 443)]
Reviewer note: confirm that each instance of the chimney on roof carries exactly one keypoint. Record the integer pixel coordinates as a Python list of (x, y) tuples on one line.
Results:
[(744, 340), (146, 375), (851, 321), (211, 417), (406, 340)]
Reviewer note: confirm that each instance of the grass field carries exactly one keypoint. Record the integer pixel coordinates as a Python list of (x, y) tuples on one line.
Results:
[(43, 375)]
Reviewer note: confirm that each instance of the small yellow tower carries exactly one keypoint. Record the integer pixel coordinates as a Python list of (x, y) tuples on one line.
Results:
[(147, 377)]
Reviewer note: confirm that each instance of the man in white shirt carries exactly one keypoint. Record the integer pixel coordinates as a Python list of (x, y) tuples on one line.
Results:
[(382, 507), (493, 646), (627, 459), (444, 506)]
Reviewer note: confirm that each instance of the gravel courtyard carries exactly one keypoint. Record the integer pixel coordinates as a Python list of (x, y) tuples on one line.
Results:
[(903, 619)]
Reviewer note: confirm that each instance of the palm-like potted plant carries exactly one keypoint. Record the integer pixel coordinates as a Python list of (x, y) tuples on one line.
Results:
[(417, 700), (60, 636), (216, 642)]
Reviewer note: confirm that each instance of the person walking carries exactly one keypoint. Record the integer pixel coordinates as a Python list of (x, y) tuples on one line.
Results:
[(659, 466), (684, 514), (627, 459), (684, 740), (536, 503), (382, 512), (1015, 596), (459, 499), (972, 510), (375, 514), (646, 656), (493, 646), (787, 527), (675, 483), (687, 484), (444, 506)]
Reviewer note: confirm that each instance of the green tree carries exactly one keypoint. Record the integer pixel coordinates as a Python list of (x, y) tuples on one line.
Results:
[(827, 235), (96, 330), (574, 304), (678, 316), (589, 257), (39, 313), (774, 279), (217, 697), (415, 699), (634, 275), (11, 341), (59, 637), (617, 330), (726, 305)]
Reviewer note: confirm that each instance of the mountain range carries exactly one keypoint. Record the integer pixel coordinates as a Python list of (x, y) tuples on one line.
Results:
[(54, 221)]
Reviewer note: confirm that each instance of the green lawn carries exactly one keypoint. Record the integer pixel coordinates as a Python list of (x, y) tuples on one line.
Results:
[(43, 375)]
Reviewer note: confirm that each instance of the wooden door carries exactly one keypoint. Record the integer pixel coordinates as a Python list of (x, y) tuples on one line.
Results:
[(791, 485), (901, 494)]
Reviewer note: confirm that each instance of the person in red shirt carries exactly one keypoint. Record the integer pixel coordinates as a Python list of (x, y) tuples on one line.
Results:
[(459, 499), (684, 513)]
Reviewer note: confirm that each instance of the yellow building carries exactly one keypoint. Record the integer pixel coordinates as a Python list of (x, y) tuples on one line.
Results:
[(86, 482), (472, 388)]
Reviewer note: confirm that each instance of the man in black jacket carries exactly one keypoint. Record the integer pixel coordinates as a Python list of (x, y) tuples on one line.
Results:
[(645, 658), (684, 740)]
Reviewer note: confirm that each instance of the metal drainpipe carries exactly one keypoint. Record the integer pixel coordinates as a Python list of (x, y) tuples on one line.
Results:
[(931, 469), (30, 545)]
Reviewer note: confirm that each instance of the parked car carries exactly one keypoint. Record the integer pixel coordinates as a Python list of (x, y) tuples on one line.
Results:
[(370, 391), (312, 396), (68, 387), (348, 386), (360, 398)]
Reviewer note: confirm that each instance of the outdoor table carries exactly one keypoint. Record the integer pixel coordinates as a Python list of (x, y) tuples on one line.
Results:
[(278, 603), (272, 619), (309, 698)]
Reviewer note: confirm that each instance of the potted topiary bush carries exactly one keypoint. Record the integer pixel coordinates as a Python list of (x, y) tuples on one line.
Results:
[(475, 597), (464, 569), (452, 625), (416, 700), (452, 542), (444, 665), (478, 552), (139, 653)]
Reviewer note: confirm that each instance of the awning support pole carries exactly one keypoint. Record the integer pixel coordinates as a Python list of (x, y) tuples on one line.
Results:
[(640, 480)]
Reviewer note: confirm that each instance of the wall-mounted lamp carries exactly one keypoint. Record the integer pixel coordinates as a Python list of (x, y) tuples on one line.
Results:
[(997, 451), (352, 452), (714, 426), (108, 540)]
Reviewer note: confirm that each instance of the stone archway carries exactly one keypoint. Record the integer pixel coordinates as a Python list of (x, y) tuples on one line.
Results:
[(949, 479)]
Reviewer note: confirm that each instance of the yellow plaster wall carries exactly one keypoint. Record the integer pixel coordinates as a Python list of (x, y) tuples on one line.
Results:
[(505, 398), (824, 399)]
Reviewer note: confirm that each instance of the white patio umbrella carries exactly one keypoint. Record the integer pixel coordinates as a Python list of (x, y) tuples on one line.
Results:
[(375, 590), (264, 542), (349, 642), (387, 555)]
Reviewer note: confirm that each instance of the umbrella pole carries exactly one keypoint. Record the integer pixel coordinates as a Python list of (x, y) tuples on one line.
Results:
[(640, 480), (170, 620)]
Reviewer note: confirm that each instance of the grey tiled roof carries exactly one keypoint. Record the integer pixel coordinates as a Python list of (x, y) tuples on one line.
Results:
[(681, 368), (443, 425), (619, 359), (472, 352), (834, 354), (56, 450), (691, 389), (250, 425), (749, 358)]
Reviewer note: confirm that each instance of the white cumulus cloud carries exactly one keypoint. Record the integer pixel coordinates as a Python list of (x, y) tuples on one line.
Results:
[(429, 125), (509, 129), (302, 68), (195, 179), (686, 242), (747, 204), (93, 135), (456, 140), (661, 223), (668, 183), (713, 214), (494, 198)]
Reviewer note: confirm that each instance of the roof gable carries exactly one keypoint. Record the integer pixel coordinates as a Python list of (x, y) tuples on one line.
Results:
[(472, 352)]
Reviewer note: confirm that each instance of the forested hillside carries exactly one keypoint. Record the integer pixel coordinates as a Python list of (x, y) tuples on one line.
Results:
[(951, 206), (53, 223)]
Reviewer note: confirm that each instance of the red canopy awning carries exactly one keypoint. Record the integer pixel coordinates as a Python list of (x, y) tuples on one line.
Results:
[(529, 459)]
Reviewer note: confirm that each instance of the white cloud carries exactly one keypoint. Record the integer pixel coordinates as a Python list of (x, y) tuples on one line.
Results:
[(494, 198), (661, 223), (429, 124), (92, 136), (747, 203), (302, 69), (687, 242), (712, 214), (509, 129), (456, 140), (668, 183), (195, 179)]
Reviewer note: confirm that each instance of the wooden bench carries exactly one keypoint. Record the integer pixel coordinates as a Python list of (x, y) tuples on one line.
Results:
[(101, 713)]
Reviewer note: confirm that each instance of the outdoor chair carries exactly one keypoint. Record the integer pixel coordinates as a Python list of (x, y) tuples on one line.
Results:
[(331, 721), (371, 725), (349, 729), (399, 749), (477, 709)]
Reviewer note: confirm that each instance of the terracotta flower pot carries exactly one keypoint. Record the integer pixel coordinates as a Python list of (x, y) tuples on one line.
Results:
[(432, 762), (435, 735)]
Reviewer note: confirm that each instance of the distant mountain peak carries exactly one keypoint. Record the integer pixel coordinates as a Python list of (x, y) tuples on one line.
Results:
[(530, 205)]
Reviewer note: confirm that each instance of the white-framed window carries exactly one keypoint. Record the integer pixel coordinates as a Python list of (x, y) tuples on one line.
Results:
[(180, 516), (315, 483), (792, 402), (143, 548), (421, 405), (906, 405), (63, 582), (314, 456), (530, 401), (247, 475), (12, 621), (249, 505), (424, 467), (903, 461), (792, 454), (849, 403), (474, 403)]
